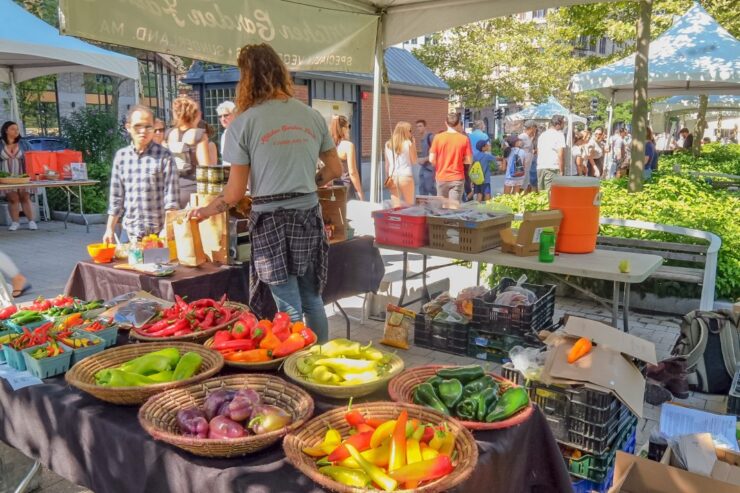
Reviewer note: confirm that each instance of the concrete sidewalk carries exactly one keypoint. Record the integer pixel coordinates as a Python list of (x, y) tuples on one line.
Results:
[(48, 255)]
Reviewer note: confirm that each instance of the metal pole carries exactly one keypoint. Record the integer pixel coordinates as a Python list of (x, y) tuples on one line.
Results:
[(375, 169), (15, 112)]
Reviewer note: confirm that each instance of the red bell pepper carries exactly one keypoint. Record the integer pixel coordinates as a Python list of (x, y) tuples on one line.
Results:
[(425, 470), (281, 325), (308, 335), (235, 345), (360, 441), (293, 343), (244, 326), (398, 443), (6, 312)]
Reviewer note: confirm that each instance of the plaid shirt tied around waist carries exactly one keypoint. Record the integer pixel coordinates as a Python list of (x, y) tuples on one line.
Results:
[(284, 243)]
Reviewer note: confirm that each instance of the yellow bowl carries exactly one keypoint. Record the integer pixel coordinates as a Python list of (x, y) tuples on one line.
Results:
[(101, 253)]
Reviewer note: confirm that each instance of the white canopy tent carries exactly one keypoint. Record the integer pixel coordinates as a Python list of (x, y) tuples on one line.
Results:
[(690, 104), (31, 48)]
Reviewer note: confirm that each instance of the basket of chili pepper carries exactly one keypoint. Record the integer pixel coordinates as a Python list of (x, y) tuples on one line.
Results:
[(395, 446), (47, 360), (131, 389), (211, 413), (82, 344), (28, 338), (195, 321), (252, 344), (6, 337), (477, 399), (105, 329)]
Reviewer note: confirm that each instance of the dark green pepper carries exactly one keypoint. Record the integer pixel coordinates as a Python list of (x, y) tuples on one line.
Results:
[(435, 381), (486, 399), (424, 395), (463, 373), (484, 382), (450, 392), (467, 409), (513, 401)]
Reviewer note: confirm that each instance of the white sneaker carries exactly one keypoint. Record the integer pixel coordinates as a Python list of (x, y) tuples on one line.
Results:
[(13, 227), (32, 225)]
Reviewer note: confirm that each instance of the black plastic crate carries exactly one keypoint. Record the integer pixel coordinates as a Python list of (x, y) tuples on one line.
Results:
[(509, 373), (596, 431), (594, 414), (596, 467), (442, 336), (733, 397), (515, 320), (603, 445)]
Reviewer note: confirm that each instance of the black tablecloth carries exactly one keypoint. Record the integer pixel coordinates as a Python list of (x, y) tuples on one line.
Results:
[(103, 447), (355, 267)]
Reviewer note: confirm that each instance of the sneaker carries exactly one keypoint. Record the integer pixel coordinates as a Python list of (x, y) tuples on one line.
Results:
[(13, 227), (32, 225)]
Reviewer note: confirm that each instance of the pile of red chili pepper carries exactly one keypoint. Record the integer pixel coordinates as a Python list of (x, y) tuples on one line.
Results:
[(253, 341), (184, 318), (390, 454)]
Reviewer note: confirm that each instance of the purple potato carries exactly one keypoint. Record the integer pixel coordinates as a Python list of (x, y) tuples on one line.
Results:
[(266, 418), (215, 400), (192, 421), (223, 427)]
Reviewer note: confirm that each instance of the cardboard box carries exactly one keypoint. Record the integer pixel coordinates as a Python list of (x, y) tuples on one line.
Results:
[(333, 202), (635, 474), (526, 242), (607, 367)]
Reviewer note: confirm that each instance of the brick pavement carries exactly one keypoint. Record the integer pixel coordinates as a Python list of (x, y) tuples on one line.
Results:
[(47, 256)]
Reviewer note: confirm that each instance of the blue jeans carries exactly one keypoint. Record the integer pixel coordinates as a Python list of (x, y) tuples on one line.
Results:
[(299, 296)]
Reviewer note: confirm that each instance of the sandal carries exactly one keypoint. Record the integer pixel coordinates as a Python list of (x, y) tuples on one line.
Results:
[(19, 292)]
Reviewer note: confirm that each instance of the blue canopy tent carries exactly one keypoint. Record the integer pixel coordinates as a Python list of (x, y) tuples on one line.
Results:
[(31, 48)]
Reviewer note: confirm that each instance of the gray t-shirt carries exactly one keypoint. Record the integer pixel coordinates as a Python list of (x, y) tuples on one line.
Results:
[(281, 141)]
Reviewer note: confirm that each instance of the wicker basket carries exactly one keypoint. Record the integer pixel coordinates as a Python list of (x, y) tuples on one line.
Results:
[(82, 375), (15, 180), (401, 389), (312, 433), (158, 416), (261, 366), (198, 336), (338, 391)]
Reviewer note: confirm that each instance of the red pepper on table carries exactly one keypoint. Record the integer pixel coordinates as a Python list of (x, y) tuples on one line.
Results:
[(360, 441), (222, 336), (293, 343), (8, 311), (222, 300), (281, 325), (244, 326), (183, 332), (428, 434), (157, 326), (181, 304), (398, 443), (235, 344), (177, 326), (308, 335), (353, 418), (374, 422), (425, 470), (208, 321)]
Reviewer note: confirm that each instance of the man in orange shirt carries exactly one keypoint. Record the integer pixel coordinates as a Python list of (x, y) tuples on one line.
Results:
[(450, 153)]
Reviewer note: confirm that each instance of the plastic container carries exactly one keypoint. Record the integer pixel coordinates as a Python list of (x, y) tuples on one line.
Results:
[(596, 467), (47, 367), (14, 358), (81, 353), (19, 328), (522, 320), (443, 336), (733, 397), (4, 333), (547, 246), (38, 163), (64, 160), (108, 335), (458, 235), (579, 199), (392, 228)]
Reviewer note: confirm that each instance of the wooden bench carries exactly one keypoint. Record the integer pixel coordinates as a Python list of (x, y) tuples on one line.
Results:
[(701, 259)]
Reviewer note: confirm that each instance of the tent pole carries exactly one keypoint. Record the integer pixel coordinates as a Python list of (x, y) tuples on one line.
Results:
[(375, 170), (15, 112), (610, 110), (569, 147)]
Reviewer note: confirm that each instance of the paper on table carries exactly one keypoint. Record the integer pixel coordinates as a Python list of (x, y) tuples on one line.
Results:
[(678, 420), (18, 379), (697, 451)]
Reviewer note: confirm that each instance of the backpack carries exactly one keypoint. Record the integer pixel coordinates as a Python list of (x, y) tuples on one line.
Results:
[(518, 165), (476, 174), (710, 342), (184, 152)]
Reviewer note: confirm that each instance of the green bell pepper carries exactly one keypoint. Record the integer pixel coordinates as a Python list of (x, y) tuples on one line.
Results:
[(466, 409), (424, 395), (486, 399), (435, 381), (450, 392), (188, 365), (484, 382), (513, 401), (463, 373)]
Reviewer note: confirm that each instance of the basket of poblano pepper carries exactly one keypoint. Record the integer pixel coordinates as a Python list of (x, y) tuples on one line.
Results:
[(479, 400)]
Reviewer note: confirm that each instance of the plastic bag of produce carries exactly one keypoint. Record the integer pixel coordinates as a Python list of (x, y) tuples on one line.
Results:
[(398, 323)]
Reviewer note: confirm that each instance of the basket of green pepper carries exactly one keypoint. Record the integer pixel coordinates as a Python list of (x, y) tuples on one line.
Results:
[(479, 400)]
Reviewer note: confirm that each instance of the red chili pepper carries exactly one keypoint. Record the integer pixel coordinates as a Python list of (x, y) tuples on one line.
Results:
[(293, 343), (428, 434), (183, 332), (222, 336), (181, 303), (354, 418), (425, 470), (208, 321), (179, 325), (234, 345), (375, 422), (222, 300), (203, 303), (360, 441), (157, 326), (308, 335), (8, 311)]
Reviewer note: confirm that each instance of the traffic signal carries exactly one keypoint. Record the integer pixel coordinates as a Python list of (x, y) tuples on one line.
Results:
[(594, 105), (467, 115), (499, 113)]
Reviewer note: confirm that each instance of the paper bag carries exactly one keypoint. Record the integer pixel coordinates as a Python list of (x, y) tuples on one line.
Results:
[(187, 241)]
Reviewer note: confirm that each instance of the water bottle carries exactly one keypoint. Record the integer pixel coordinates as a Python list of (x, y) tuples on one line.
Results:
[(547, 246)]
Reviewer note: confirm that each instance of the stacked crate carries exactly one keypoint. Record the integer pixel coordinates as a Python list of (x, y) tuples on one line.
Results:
[(590, 426), (448, 337)]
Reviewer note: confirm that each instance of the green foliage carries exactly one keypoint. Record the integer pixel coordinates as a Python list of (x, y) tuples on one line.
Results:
[(672, 199), (714, 158), (95, 198), (94, 132)]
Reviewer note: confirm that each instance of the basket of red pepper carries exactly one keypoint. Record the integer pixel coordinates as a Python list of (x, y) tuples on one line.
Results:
[(28, 338), (261, 344), (105, 329), (195, 321)]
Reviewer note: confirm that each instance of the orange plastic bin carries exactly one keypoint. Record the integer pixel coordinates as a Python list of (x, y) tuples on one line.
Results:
[(38, 163), (64, 159), (579, 199)]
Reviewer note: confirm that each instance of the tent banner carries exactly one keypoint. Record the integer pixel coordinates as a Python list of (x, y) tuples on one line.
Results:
[(306, 35)]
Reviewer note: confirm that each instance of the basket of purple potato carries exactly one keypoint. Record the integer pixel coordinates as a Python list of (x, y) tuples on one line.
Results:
[(227, 416)]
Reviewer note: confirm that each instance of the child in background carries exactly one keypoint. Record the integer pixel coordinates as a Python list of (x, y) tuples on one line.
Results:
[(486, 159), (514, 167)]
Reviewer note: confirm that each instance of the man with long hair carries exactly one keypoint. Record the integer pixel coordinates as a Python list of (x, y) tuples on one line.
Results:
[(274, 144)]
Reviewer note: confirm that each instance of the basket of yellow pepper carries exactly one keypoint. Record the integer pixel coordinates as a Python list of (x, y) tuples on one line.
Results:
[(391, 445)]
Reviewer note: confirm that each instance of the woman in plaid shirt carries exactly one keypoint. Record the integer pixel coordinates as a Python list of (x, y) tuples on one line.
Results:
[(274, 144)]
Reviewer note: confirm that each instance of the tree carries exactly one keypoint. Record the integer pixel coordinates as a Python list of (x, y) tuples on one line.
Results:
[(639, 98), (701, 124), (501, 57)]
